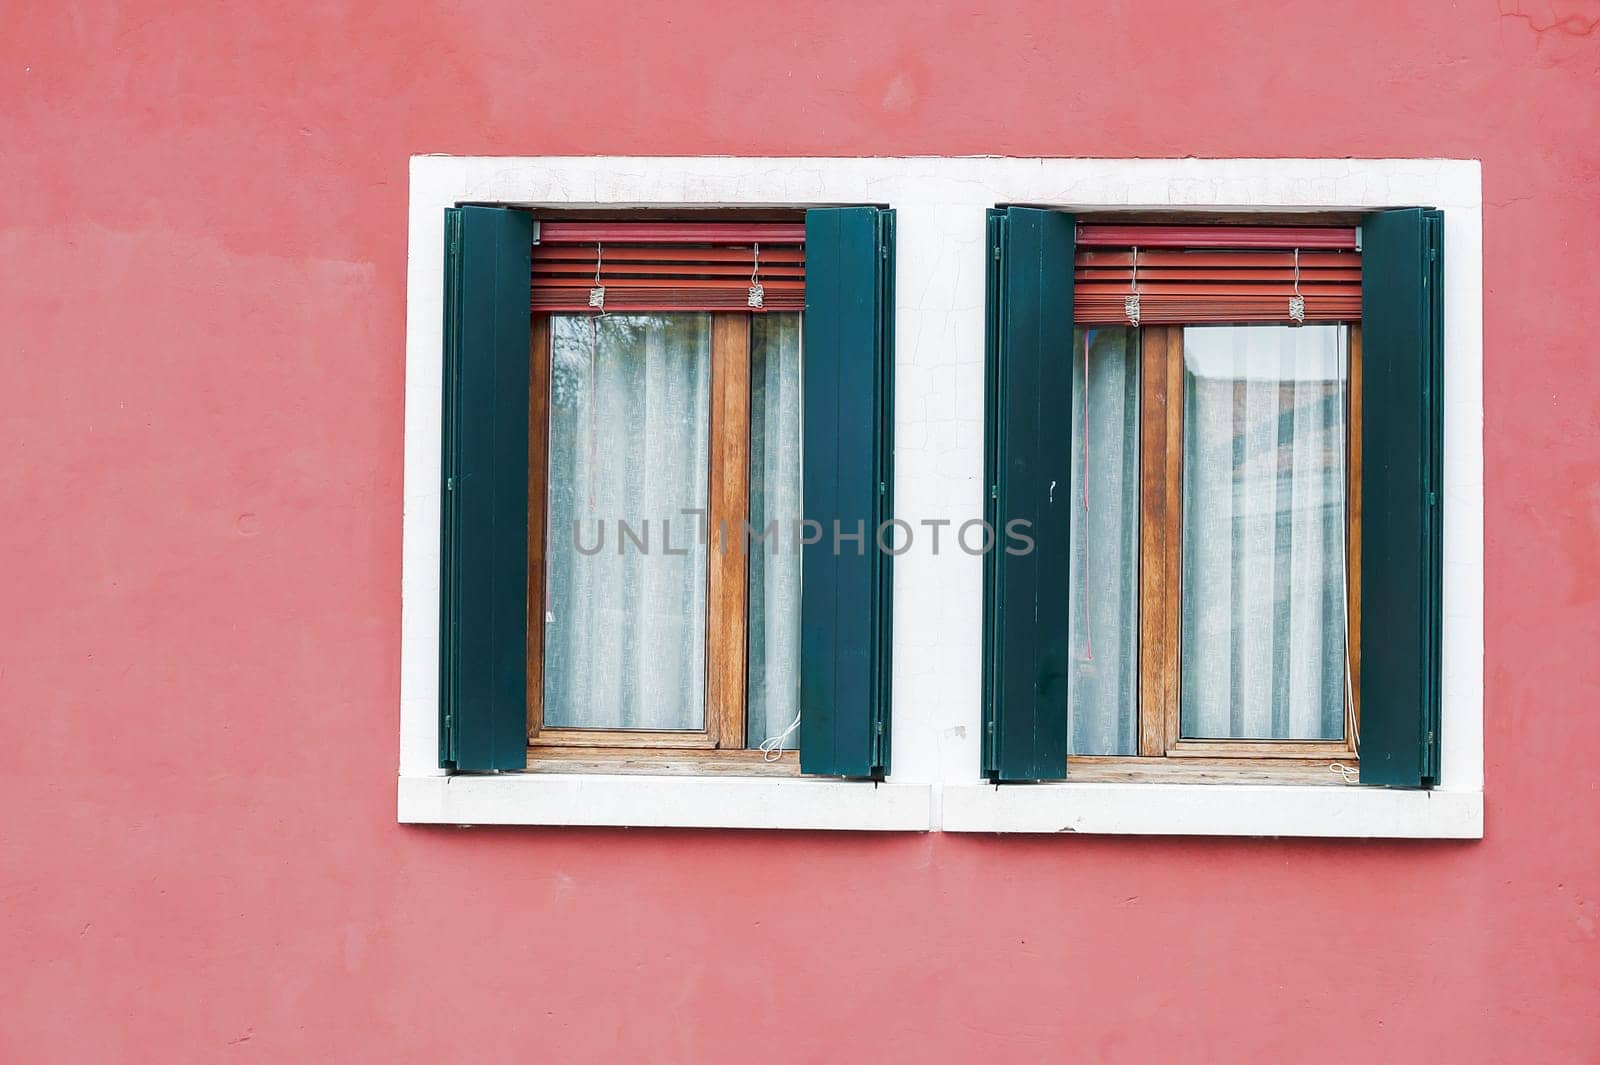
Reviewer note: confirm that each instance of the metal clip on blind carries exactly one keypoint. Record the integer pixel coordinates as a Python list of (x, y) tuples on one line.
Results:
[(757, 293), (1130, 303), (1297, 302), (597, 293)]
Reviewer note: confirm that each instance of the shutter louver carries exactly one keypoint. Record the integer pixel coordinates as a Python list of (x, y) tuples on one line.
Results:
[(667, 266)]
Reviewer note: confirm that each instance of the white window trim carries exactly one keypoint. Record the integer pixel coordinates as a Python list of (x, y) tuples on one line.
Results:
[(664, 802), (939, 469)]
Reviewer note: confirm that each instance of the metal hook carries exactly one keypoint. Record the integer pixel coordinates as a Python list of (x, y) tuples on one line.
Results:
[(757, 293)]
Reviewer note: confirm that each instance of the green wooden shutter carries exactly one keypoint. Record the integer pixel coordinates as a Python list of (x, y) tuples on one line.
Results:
[(483, 622), (1402, 258), (1028, 458), (848, 470)]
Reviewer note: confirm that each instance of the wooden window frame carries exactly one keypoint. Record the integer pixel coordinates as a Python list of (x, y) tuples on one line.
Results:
[(1163, 753), (719, 746)]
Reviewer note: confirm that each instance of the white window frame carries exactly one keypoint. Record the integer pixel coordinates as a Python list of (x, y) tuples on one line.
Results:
[(939, 414)]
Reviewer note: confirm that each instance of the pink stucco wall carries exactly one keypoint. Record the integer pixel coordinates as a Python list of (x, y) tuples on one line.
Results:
[(202, 260)]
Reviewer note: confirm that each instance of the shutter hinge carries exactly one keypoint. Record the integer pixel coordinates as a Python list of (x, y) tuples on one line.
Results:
[(877, 726), (1430, 736), (883, 488), (1433, 499), (994, 491), (997, 253), (449, 484)]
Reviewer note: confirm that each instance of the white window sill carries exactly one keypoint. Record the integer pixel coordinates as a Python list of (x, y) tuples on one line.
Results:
[(664, 802), (847, 805), (1214, 810)]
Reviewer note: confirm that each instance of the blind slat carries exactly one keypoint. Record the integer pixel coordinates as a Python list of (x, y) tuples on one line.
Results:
[(1208, 285), (667, 266)]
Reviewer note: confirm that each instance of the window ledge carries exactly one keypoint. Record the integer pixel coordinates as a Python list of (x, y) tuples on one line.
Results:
[(1214, 810), (664, 802)]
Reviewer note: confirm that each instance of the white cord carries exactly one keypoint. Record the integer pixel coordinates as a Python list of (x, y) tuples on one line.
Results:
[(772, 749)]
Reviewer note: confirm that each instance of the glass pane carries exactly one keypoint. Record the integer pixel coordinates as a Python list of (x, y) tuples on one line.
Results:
[(773, 677), (1102, 681), (625, 625), (1263, 532)]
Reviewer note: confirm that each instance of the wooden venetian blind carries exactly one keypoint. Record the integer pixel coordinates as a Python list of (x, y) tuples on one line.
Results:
[(1215, 273), (668, 266)]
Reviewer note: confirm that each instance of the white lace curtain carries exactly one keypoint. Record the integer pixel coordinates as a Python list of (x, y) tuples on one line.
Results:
[(1263, 613), (625, 633), (773, 695), (1103, 636)]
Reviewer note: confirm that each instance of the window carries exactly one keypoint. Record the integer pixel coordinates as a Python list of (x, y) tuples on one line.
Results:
[(1210, 543), (1179, 410), (665, 579), (636, 575), (463, 683)]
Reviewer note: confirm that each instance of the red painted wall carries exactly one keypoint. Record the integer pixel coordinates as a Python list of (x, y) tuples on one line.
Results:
[(202, 266)]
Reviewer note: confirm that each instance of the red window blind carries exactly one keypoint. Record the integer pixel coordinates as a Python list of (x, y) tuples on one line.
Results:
[(1215, 273), (668, 266)]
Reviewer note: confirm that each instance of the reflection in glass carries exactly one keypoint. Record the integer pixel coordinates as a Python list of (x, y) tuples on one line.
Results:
[(773, 693), (1263, 532), (625, 632), (1102, 682)]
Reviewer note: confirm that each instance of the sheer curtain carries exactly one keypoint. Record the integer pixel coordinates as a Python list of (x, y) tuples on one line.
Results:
[(629, 423), (1263, 532), (773, 693), (1102, 681)]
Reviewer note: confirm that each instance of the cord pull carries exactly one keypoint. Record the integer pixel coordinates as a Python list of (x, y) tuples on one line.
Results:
[(772, 748)]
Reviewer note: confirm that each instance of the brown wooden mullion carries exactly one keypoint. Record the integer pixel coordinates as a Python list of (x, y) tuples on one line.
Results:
[(677, 739), (1160, 408), (728, 510)]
